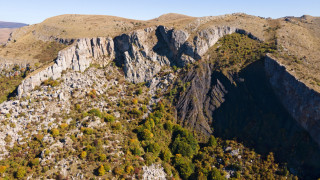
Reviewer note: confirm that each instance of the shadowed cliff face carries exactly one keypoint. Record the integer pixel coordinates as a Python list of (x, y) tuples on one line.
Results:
[(249, 112)]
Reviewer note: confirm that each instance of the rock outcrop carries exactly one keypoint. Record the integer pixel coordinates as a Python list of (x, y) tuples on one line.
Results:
[(300, 101), (141, 53), (204, 93), (77, 57)]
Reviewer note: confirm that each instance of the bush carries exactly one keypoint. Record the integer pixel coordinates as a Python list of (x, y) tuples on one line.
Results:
[(166, 155), (86, 130), (50, 82), (212, 141), (154, 148), (118, 171), (109, 118), (83, 155), (101, 170), (92, 93), (3, 169), (116, 126), (63, 125), (129, 169), (139, 91), (35, 162), (149, 158), (55, 132), (20, 173), (95, 112), (146, 134), (102, 157), (216, 174), (135, 101)]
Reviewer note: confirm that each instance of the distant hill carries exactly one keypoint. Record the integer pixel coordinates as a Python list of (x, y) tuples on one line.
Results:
[(8, 27), (4, 24)]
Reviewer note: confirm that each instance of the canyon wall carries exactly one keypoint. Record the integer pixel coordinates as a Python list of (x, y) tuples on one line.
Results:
[(302, 102)]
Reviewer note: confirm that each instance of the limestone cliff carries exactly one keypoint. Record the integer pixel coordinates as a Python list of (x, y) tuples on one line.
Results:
[(142, 53), (77, 57)]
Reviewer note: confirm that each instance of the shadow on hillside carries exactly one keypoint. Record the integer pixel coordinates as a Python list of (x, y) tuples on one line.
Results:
[(252, 114)]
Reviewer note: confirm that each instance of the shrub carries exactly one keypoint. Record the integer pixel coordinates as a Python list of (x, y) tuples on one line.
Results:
[(102, 157), (92, 93), (212, 141), (20, 173), (101, 170), (216, 174), (55, 132), (166, 155), (168, 125), (118, 171), (35, 162), (109, 118), (149, 158), (63, 125), (38, 137), (116, 126), (144, 108), (3, 169), (86, 130), (135, 101), (95, 112), (154, 148), (78, 107), (8, 115), (129, 169), (139, 91), (50, 82), (107, 167), (83, 155), (146, 134)]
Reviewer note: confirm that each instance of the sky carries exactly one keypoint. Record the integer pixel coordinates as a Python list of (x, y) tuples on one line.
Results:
[(35, 11)]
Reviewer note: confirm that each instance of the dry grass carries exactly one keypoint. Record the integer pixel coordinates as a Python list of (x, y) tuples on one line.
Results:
[(5, 34)]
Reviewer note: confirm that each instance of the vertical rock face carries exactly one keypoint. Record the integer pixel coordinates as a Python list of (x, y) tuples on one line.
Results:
[(300, 101), (77, 57), (202, 96), (142, 53)]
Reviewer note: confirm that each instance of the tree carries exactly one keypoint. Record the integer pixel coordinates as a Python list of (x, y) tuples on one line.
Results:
[(21, 172), (184, 166), (212, 141), (101, 170), (215, 174), (166, 155), (146, 134)]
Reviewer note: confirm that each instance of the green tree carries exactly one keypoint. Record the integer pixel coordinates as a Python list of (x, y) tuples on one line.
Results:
[(212, 141), (21, 172), (184, 166)]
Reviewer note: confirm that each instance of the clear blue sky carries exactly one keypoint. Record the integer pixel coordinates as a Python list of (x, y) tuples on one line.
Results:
[(35, 11)]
